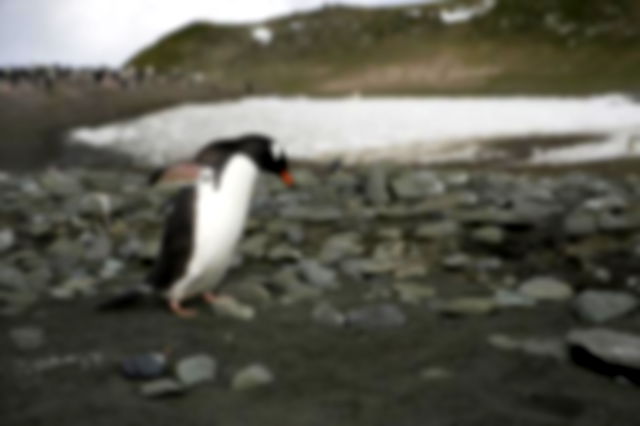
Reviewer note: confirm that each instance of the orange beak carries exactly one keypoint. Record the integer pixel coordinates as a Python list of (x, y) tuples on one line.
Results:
[(286, 177)]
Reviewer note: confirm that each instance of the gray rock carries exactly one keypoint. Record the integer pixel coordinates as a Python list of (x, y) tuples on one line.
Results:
[(161, 388), (74, 286), (390, 233), (60, 183), (27, 338), (599, 306), (7, 239), (545, 346), (410, 269), (111, 268), (295, 234), (415, 185), (97, 247), (230, 307), (145, 366), (196, 369), (611, 346), (283, 252), (251, 377), (467, 306), (317, 275), (435, 374), (255, 246), (614, 222), (488, 235), (326, 314), (439, 230), (546, 289), (413, 293), (457, 261), (581, 223), (341, 246), (376, 189), (512, 299), (504, 342), (374, 317)]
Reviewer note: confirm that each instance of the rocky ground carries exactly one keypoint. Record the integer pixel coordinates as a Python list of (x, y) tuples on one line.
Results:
[(364, 296)]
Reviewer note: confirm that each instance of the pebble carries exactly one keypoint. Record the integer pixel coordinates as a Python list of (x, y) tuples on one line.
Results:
[(488, 235), (161, 388), (196, 369), (27, 338), (413, 293), (255, 246), (75, 286), (512, 299), (7, 239), (580, 223), (435, 374), (610, 346), (317, 275), (546, 289), (326, 314), (251, 377), (599, 306), (376, 189), (341, 246), (467, 306), (374, 317), (145, 366), (457, 261), (230, 307), (439, 230)]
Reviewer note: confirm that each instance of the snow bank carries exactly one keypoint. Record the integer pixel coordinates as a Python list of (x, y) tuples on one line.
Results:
[(462, 14), (360, 129)]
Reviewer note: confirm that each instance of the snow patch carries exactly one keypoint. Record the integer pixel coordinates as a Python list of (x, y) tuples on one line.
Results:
[(262, 35), (363, 129), (619, 145), (464, 14)]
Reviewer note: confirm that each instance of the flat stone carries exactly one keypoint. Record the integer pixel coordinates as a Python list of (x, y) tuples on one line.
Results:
[(504, 342), (282, 252), (467, 306), (551, 347), (413, 293), (230, 307), (599, 306), (512, 299), (435, 374), (610, 346), (376, 186), (255, 246), (488, 235), (326, 314), (373, 317), (7, 239), (196, 369), (546, 289), (414, 185), (317, 275), (145, 366), (581, 223), (438, 230), (457, 261), (341, 246), (74, 286), (161, 388), (27, 338), (251, 377)]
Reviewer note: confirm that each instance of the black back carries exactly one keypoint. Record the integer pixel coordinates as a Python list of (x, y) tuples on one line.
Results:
[(177, 241)]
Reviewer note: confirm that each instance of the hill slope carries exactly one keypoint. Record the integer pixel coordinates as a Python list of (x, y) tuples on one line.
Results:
[(506, 46)]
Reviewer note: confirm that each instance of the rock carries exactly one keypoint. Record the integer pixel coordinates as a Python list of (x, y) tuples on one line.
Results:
[(374, 317), (317, 275), (438, 230), (546, 289), (414, 185), (457, 261), (27, 338), (413, 293), (255, 246), (145, 366), (545, 346), (161, 388), (196, 369), (467, 306), (410, 269), (295, 234), (341, 246), (75, 286), (230, 307), (97, 247), (606, 351), (504, 342), (390, 233), (580, 223), (251, 377), (599, 306), (96, 204), (282, 252), (111, 268), (60, 183), (326, 314), (488, 235), (376, 189), (512, 299), (7, 239), (435, 374)]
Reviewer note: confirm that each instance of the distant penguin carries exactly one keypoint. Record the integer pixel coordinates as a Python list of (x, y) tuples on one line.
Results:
[(206, 219)]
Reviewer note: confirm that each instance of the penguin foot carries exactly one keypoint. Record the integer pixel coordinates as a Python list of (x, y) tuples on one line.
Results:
[(177, 309), (210, 297)]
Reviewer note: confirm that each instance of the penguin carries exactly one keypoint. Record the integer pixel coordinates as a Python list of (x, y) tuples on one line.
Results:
[(206, 219)]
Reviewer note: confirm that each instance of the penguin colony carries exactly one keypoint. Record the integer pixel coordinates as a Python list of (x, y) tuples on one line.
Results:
[(206, 219)]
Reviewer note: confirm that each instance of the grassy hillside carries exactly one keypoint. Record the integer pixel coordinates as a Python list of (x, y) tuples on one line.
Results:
[(519, 46)]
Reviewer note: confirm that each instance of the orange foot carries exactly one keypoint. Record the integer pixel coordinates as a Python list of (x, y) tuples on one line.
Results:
[(210, 297), (177, 309)]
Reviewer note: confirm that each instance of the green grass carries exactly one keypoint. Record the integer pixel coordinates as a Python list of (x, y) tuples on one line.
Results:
[(541, 46)]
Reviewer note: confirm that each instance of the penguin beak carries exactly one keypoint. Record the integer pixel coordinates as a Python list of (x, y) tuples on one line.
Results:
[(178, 174), (286, 177)]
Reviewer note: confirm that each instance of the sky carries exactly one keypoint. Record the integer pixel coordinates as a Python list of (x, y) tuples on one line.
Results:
[(108, 32)]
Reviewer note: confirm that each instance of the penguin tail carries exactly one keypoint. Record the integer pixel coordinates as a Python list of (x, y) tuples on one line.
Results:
[(126, 299)]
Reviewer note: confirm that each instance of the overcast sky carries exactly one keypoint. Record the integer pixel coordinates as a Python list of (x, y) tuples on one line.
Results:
[(107, 32)]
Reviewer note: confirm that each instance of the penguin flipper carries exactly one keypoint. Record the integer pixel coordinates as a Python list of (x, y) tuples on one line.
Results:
[(125, 299)]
